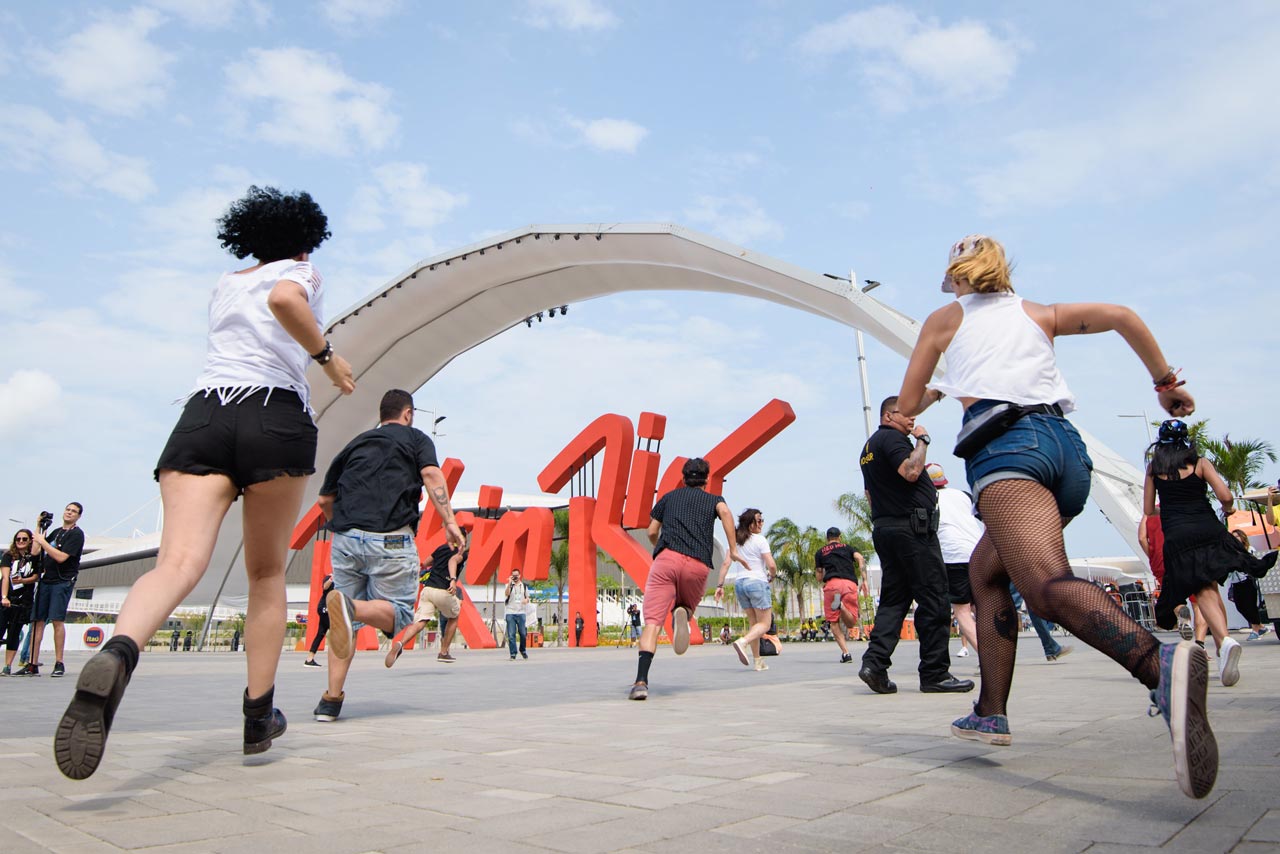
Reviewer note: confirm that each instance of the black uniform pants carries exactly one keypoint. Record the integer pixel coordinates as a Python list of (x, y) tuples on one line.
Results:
[(321, 630), (911, 568)]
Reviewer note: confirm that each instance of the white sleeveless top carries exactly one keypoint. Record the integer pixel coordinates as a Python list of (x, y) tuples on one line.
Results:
[(1000, 353), (248, 348)]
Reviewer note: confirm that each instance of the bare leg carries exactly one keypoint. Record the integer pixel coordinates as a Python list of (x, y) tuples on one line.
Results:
[(270, 511), (1215, 613), (446, 640), (1200, 625), (59, 639), (194, 506), (338, 668), (964, 619), (649, 637), (838, 629), (759, 619)]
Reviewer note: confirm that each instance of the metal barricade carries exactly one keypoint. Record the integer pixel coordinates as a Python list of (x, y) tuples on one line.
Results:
[(1137, 604)]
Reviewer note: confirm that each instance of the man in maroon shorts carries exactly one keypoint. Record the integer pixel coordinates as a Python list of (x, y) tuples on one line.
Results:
[(839, 569), (682, 530)]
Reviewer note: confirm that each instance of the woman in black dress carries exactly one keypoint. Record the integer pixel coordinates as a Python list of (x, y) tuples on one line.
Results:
[(1199, 553)]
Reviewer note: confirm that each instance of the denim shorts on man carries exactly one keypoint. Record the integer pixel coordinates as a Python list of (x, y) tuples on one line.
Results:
[(753, 593), (368, 566), (52, 598), (1038, 447)]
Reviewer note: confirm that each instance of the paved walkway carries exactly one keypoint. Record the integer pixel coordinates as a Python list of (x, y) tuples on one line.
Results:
[(547, 755)]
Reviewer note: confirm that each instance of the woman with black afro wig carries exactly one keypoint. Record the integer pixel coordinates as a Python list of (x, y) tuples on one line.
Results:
[(246, 429)]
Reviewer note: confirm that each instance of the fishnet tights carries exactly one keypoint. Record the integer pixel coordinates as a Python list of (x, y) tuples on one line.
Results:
[(1023, 542)]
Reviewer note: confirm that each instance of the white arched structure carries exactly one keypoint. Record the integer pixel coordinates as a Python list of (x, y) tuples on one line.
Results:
[(404, 334)]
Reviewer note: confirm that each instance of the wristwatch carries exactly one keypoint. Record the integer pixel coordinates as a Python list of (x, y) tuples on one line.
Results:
[(325, 355), (924, 438)]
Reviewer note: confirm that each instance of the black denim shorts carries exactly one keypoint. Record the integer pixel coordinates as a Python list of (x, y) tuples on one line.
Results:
[(255, 439)]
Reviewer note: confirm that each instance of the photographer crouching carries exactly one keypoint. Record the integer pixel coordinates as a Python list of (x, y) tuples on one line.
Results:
[(60, 566)]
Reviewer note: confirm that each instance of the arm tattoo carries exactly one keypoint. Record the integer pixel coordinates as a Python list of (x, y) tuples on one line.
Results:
[(440, 498), (1084, 327)]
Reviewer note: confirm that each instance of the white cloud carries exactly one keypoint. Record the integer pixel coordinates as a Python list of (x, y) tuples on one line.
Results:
[(738, 219), (610, 134), (908, 60), (358, 14), (569, 15), (1221, 112), (311, 104), (111, 64), (23, 393), (34, 140), (402, 190)]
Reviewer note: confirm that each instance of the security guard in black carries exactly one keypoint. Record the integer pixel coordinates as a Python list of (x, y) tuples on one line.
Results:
[(904, 522)]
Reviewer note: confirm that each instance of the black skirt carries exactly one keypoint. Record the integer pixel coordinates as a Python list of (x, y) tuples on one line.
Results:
[(1199, 558)]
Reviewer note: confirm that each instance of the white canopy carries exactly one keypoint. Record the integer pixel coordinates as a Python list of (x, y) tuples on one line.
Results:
[(404, 334)]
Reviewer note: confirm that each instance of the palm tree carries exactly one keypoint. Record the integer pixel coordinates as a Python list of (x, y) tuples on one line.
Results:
[(1240, 462), (856, 509), (560, 567), (793, 551)]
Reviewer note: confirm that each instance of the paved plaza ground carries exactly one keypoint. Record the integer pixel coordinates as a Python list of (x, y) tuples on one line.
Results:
[(548, 755)]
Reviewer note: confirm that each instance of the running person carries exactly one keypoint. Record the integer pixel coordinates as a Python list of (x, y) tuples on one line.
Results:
[(246, 430), (322, 622), (838, 569), (751, 586), (681, 528), (439, 595), (1030, 472), (370, 499), (1199, 553)]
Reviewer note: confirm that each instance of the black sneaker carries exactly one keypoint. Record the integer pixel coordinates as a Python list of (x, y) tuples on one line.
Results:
[(846, 659), (310, 662), (328, 708), (58, 670), (29, 670), (81, 736), (525, 656)]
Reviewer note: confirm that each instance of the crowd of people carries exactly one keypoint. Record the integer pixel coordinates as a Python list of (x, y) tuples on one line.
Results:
[(246, 432)]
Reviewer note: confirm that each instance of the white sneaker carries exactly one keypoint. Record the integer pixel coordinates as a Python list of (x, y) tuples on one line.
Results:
[(1229, 661), (743, 651), (963, 653)]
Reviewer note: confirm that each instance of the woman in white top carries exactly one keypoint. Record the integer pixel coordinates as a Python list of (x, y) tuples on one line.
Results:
[(751, 585), (1029, 471), (246, 429)]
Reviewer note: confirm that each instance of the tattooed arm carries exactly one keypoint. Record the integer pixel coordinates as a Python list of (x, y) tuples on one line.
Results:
[(438, 493), (1089, 318)]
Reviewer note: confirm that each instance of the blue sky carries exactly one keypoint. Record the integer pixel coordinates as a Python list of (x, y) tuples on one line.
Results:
[(1122, 153)]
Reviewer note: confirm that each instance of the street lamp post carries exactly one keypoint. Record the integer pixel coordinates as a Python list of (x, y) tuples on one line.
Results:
[(862, 352), (1146, 422)]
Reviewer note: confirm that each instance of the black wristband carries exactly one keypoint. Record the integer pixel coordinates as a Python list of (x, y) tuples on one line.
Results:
[(325, 355)]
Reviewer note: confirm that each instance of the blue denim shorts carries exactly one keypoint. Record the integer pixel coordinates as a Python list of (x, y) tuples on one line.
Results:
[(369, 566), (753, 593), (1043, 448), (52, 599)]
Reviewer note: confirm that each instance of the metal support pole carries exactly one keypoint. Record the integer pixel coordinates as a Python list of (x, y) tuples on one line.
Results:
[(862, 367)]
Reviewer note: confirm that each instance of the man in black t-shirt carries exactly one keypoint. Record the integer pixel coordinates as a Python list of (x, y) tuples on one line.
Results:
[(838, 569), (904, 521), (60, 567), (682, 530), (439, 596), (370, 498)]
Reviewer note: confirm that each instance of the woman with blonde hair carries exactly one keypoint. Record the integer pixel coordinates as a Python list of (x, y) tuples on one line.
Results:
[(1029, 471)]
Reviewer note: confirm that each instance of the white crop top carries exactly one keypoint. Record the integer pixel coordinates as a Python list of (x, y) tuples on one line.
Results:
[(1000, 353), (248, 348)]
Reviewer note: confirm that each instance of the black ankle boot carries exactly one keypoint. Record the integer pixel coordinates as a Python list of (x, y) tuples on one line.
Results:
[(262, 722), (81, 736)]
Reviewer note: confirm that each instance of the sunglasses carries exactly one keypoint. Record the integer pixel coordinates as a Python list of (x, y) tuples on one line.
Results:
[(22, 539)]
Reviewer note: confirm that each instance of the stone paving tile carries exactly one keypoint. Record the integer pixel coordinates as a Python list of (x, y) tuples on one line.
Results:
[(807, 761)]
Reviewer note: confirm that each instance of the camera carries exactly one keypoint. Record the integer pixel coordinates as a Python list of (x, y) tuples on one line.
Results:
[(46, 519)]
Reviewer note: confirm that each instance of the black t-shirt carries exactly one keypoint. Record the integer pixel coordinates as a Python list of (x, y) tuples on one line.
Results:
[(438, 575), (24, 569), (635, 616), (836, 561), (69, 540), (377, 479), (688, 517), (892, 495)]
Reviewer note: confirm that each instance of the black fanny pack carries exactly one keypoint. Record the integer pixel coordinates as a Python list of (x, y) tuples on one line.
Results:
[(979, 431)]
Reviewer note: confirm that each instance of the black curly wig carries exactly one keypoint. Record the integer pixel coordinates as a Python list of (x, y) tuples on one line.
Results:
[(271, 226)]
